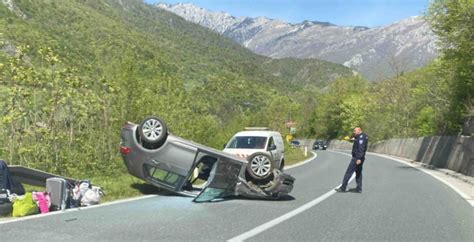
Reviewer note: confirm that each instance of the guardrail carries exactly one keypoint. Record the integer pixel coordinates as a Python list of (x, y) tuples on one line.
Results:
[(32, 176)]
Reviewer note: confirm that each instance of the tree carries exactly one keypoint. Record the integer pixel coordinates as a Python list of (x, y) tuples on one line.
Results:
[(453, 22), (340, 107)]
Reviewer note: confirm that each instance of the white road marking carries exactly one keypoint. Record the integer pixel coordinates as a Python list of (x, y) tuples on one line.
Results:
[(302, 162), (74, 209), (437, 177), (286, 216), (466, 197)]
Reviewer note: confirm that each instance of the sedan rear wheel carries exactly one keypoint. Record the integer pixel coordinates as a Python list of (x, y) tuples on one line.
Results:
[(153, 131)]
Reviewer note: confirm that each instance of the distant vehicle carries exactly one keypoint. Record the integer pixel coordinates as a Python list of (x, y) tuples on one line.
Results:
[(319, 145), (264, 150), (167, 161), (295, 144)]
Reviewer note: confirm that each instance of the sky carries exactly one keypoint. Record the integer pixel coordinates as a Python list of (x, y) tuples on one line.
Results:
[(369, 13)]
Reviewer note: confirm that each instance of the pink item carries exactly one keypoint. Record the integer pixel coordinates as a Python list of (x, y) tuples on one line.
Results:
[(42, 199)]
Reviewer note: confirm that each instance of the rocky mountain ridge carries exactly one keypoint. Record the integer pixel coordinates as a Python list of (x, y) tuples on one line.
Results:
[(376, 53)]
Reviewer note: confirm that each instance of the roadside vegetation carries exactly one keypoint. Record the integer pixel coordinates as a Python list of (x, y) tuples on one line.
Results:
[(67, 85), (433, 100), (295, 155)]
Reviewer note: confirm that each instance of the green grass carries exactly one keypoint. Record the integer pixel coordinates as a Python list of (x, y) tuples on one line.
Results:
[(115, 187), (122, 186), (295, 155), (31, 188)]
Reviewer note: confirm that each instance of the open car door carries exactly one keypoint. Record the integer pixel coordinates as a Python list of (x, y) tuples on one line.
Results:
[(222, 180), (227, 178)]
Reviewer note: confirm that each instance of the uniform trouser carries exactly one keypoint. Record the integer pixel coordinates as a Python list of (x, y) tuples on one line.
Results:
[(353, 167)]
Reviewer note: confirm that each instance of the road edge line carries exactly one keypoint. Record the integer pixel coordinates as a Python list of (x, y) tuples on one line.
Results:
[(466, 197), (259, 229), (52, 213), (301, 162)]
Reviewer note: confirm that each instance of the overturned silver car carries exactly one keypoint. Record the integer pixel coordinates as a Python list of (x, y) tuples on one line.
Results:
[(182, 166)]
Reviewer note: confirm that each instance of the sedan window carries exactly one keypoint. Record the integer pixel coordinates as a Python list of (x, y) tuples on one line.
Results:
[(211, 194), (162, 176)]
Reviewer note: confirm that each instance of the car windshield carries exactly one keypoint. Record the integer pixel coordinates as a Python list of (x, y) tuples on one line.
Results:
[(247, 142)]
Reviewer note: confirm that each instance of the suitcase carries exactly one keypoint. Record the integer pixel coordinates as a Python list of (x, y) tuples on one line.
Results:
[(58, 191), (5, 178), (7, 182), (6, 207)]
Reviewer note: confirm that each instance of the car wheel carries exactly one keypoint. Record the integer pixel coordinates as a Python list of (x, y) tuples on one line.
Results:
[(260, 166), (153, 131)]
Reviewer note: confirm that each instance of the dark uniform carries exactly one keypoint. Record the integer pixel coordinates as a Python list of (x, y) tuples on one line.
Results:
[(358, 153)]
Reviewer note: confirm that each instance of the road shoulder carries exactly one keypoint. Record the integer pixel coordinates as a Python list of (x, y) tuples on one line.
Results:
[(300, 163), (463, 185)]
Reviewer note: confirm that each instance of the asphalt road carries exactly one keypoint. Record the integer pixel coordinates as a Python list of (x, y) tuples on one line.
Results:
[(399, 203)]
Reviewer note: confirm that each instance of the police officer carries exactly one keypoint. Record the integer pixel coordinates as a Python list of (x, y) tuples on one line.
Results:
[(358, 156)]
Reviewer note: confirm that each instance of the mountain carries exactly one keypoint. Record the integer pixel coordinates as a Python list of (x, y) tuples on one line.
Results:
[(376, 53), (72, 72), (191, 51)]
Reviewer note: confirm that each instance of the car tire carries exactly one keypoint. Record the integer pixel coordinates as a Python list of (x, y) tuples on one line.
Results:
[(260, 166), (153, 132)]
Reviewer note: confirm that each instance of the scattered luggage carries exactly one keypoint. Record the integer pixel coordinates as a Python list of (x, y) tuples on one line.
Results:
[(5, 178), (5, 204), (8, 187), (17, 188), (91, 196), (59, 195), (43, 200), (84, 194), (7, 182), (24, 205), (57, 189), (6, 208)]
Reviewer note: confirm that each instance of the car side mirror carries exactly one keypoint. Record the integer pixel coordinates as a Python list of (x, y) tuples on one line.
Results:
[(272, 147), (224, 146)]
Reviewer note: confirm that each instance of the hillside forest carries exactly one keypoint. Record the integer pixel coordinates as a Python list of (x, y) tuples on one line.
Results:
[(73, 72)]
